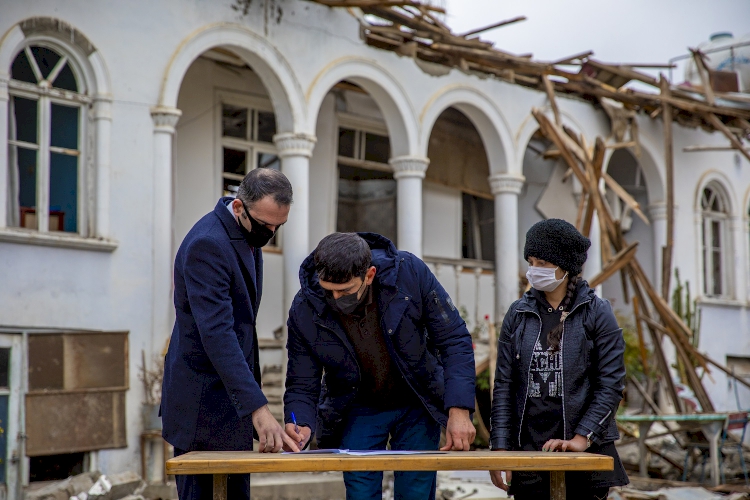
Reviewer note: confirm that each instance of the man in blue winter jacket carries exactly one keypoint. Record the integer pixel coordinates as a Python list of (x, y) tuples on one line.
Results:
[(211, 395), (378, 354)]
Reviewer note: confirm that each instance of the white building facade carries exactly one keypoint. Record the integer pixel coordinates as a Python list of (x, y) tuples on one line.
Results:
[(122, 126)]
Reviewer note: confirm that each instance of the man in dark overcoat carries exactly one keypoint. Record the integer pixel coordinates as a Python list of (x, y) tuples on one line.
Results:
[(211, 395)]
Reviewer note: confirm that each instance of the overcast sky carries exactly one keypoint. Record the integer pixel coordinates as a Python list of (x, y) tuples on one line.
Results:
[(637, 31)]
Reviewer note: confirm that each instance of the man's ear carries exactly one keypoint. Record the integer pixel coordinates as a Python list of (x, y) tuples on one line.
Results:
[(237, 208), (370, 275)]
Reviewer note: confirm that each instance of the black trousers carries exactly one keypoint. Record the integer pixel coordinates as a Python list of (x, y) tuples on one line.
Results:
[(535, 486), (201, 486)]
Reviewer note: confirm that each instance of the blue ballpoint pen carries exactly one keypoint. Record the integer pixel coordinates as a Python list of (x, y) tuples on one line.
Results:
[(294, 420)]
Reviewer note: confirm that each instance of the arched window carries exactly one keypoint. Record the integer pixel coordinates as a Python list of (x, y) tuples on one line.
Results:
[(715, 240), (47, 121)]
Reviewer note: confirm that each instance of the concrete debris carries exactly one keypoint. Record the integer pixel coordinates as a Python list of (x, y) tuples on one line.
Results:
[(687, 493), (96, 486)]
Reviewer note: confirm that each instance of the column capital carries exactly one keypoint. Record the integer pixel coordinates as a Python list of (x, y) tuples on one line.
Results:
[(165, 118), (409, 166), (4, 79), (289, 144), (658, 210), (506, 183)]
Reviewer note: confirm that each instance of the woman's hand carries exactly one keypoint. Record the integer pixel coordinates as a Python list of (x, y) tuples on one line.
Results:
[(497, 477), (578, 443)]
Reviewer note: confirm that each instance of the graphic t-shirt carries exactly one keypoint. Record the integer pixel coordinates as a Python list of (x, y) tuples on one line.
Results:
[(543, 418)]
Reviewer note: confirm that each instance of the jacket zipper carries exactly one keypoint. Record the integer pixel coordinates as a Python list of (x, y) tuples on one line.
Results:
[(562, 367), (528, 374), (351, 351)]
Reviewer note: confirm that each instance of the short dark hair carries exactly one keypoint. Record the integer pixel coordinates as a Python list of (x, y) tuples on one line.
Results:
[(340, 257), (262, 182)]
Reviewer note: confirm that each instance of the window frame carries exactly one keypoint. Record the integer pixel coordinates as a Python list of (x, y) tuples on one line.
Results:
[(707, 219), (250, 146), (361, 127), (476, 229), (45, 96)]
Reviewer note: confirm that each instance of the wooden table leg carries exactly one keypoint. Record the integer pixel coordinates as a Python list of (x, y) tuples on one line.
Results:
[(557, 485), (643, 428), (220, 486)]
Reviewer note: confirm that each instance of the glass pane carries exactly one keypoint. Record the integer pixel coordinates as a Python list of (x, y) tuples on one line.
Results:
[(231, 187), (64, 129), (21, 69), (63, 193), (267, 160), (27, 183), (233, 121), (266, 126), (469, 248), (716, 234), (717, 274), (235, 161), (486, 216), (367, 202), (377, 148), (66, 80), (346, 142), (4, 367), (46, 59), (26, 115)]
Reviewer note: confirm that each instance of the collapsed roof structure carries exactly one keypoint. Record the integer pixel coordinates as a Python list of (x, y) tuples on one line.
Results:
[(414, 29)]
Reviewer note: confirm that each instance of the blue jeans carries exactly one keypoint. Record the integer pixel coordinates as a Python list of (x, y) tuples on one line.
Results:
[(201, 486), (409, 428)]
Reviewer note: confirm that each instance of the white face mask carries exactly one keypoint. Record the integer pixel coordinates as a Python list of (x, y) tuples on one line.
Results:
[(543, 278)]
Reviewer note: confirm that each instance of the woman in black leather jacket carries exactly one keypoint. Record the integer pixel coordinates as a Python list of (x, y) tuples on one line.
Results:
[(560, 369)]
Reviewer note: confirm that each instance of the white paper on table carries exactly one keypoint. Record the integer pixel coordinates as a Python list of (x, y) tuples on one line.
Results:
[(363, 452)]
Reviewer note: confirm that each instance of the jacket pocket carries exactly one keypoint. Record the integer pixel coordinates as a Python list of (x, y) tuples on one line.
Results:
[(437, 305)]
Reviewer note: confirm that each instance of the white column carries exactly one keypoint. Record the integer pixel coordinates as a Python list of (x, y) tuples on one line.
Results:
[(409, 172), (658, 213), (4, 201), (506, 188), (295, 151), (103, 133), (165, 119)]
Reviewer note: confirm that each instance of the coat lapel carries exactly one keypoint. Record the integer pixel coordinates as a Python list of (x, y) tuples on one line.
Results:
[(248, 260)]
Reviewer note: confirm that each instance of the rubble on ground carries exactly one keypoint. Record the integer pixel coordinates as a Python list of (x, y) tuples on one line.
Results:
[(96, 486)]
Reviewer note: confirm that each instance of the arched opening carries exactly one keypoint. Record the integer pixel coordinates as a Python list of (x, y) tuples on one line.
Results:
[(349, 170), (715, 241), (227, 127)]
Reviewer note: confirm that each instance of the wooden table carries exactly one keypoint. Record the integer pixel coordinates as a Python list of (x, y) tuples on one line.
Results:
[(222, 463), (712, 424)]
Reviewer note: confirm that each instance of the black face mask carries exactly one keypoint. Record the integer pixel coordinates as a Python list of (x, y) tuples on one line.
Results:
[(260, 234), (347, 304)]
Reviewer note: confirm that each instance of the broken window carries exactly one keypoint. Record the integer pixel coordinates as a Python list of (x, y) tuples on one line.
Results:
[(247, 131), (478, 240), (715, 238), (47, 108), (367, 190), (81, 378)]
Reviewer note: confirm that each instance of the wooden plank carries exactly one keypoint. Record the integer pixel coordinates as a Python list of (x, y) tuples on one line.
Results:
[(641, 338), (493, 26), (666, 265), (580, 56), (701, 148), (551, 96), (625, 196), (620, 260), (703, 73), (246, 462), (719, 125)]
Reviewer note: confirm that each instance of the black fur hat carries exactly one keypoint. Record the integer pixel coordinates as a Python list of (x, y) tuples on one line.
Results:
[(559, 242)]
